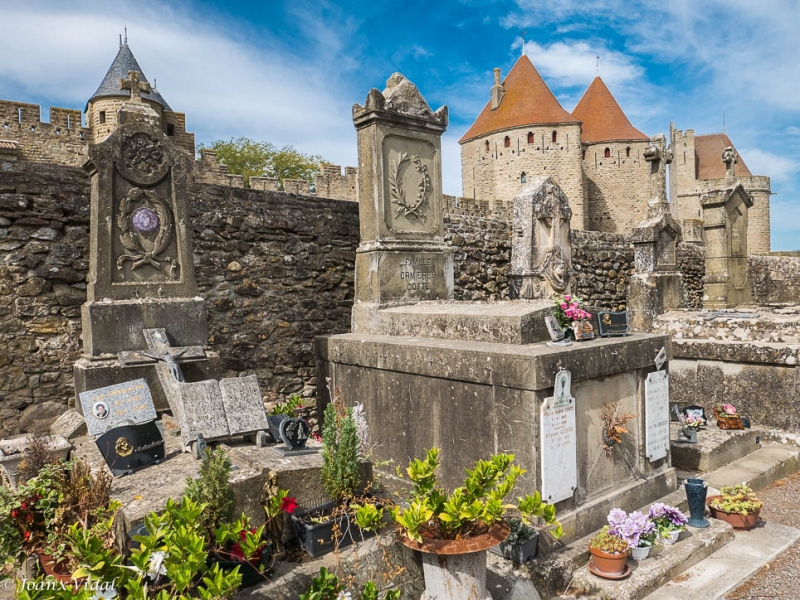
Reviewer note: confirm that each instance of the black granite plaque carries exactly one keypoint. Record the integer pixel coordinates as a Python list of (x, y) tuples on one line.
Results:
[(129, 448), (294, 433), (612, 323), (274, 423)]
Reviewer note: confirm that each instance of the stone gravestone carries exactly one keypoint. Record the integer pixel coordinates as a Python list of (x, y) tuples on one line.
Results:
[(656, 285), (141, 271), (656, 394), (128, 403), (559, 442), (725, 230), (541, 250), (402, 256)]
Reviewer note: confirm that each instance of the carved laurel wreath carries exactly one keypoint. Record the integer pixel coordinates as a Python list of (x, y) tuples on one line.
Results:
[(417, 206), (133, 241)]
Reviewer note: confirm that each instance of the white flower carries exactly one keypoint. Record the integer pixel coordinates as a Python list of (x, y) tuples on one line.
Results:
[(344, 596), (157, 567), (105, 594)]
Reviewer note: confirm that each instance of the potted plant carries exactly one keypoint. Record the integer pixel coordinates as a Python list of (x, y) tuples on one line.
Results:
[(669, 521), (737, 505), (326, 586), (521, 543), (239, 545), (323, 528), (635, 528), (609, 554), (453, 531), (568, 312), (727, 417)]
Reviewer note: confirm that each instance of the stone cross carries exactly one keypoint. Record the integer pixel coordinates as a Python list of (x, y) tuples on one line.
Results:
[(135, 85), (659, 157), (730, 158)]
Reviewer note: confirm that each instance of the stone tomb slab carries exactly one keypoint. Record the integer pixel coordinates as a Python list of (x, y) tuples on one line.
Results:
[(518, 322), (475, 399), (128, 403)]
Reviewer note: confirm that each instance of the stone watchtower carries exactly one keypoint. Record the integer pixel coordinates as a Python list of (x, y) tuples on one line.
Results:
[(523, 133), (615, 170), (103, 107)]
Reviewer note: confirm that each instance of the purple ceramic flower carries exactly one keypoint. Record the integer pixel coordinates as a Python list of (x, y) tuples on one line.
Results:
[(145, 220)]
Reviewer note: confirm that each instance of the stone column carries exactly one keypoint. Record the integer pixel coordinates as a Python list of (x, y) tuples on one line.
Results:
[(541, 250), (402, 256), (725, 231)]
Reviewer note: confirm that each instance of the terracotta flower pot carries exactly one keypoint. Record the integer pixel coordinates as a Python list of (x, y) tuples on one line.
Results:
[(456, 569), (608, 565), (736, 520), (57, 569)]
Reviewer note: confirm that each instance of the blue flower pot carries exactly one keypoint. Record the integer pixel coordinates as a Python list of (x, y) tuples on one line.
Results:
[(696, 491)]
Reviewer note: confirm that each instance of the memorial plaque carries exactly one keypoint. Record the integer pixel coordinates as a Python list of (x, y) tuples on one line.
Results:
[(661, 358), (129, 448), (656, 398), (559, 442), (695, 411), (128, 403), (612, 324), (294, 433), (553, 328)]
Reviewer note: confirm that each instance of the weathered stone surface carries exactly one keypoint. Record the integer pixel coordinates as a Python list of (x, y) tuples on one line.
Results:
[(70, 425), (715, 447), (40, 416)]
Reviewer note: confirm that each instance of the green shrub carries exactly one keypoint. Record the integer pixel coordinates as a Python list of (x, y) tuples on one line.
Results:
[(340, 472), (213, 488)]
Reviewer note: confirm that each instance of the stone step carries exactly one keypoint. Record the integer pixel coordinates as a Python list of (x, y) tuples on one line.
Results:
[(714, 449), (731, 565), (758, 469), (664, 563)]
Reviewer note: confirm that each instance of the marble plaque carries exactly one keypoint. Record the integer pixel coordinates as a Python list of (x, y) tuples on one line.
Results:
[(128, 403), (656, 398), (559, 442), (612, 323)]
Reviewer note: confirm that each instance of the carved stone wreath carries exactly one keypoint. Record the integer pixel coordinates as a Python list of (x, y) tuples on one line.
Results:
[(141, 213), (417, 206), (143, 154)]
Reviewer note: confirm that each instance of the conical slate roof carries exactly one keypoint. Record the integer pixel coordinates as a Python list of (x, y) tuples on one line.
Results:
[(527, 101), (708, 149), (124, 62), (603, 119)]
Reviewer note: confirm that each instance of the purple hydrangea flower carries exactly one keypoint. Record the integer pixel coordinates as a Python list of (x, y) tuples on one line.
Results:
[(635, 528)]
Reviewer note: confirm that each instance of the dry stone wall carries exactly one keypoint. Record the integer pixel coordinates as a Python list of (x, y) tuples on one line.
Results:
[(775, 278), (692, 265), (603, 263)]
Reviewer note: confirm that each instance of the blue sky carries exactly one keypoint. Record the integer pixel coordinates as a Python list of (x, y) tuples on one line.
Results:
[(289, 72)]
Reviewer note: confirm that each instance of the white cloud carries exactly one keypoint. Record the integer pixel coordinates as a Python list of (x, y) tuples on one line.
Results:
[(574, 63), (792, 130), (762, 162)]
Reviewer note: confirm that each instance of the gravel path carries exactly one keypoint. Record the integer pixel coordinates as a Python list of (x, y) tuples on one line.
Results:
[(779, 579)]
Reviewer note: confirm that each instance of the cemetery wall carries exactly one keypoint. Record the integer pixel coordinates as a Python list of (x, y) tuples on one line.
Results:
[(775, 278), (692, 265), (604, 265)]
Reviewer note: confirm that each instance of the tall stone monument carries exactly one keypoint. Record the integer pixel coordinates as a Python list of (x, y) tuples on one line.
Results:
[(541, 250), (402, 256), (656, 285), (725, 230), (141, 272)]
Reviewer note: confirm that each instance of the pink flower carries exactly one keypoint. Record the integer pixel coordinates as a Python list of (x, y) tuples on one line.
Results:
[(563, 306), (729, 409), (567, 298)]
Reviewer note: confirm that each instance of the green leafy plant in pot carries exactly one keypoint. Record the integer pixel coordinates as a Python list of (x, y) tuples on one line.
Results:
[(453, 531), (737, 505)]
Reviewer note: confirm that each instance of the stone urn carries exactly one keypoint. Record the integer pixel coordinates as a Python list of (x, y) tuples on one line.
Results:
[(456, 569), (12, 451)]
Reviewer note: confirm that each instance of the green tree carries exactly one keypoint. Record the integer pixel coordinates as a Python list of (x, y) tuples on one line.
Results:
[(250, 158)]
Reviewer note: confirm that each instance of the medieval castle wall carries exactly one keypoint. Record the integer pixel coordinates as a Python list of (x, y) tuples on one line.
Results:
[(59, 141), (498, 165), (617, 185)]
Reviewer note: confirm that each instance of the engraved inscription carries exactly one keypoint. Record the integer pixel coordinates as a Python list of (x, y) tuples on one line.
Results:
[(417, 273)]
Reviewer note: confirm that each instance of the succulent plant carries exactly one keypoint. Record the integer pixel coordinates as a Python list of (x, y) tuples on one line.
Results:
[(608, 542)]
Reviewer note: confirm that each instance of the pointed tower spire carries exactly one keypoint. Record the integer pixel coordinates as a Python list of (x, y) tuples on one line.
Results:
[(603, 119), (123, 63)]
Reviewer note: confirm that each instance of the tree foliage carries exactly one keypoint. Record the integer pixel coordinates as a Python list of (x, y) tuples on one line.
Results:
[(250, 158)]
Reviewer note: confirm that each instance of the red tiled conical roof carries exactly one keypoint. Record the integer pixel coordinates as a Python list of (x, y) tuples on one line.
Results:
[(527, 101), (708, 149), (603, 119)]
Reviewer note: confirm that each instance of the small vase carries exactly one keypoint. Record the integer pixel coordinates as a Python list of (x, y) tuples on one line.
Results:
[(696, 491), (640, 552), (673, 536)]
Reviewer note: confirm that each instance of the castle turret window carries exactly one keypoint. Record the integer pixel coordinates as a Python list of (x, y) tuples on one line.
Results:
[(507, 142), (555, 136), (530, 137), (628, 152), (170, 129), (607, 153), (102, 117), (523, 178), (487, 146)]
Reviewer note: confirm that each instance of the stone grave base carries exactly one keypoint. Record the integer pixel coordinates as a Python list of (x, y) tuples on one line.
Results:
[(93, 372), (475, 399), (517, 322), (650, 294), (148, 489), (715, 447)]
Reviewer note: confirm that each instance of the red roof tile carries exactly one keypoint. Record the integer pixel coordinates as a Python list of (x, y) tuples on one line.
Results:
[(709, 165), (603, 119), (527, 101)]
